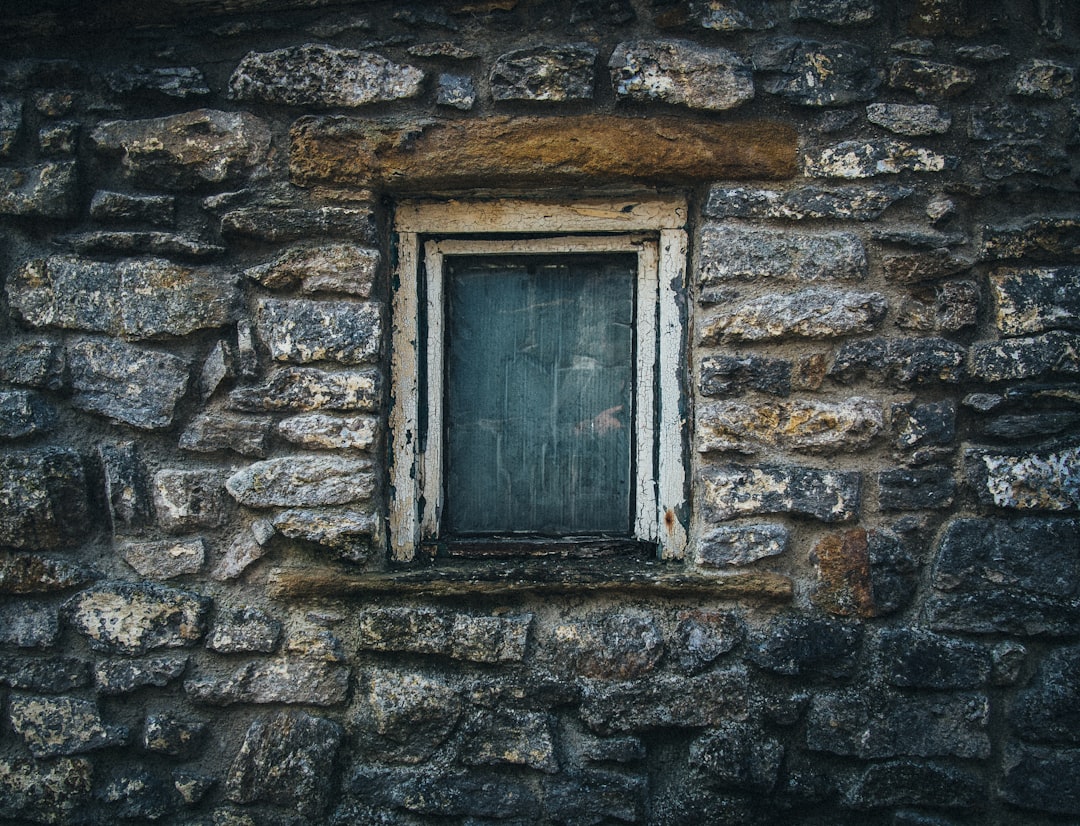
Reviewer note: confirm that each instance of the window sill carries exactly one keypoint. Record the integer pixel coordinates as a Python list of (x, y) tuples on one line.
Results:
[(526, 577)]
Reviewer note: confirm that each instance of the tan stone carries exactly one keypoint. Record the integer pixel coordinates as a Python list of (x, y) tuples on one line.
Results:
[(507, 150)]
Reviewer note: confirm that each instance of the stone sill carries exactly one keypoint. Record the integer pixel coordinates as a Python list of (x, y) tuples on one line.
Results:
[(500, 578)]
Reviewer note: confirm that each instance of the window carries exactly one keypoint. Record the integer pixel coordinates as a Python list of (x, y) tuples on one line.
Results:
[(536, 378)]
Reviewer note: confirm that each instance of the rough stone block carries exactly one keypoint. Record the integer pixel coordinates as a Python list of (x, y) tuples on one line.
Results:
[(1046, 79), (734, 490), (171, 81), (334, 268), (740, 545), (1036, 300), (28, 624), (52, 675), (681, 73), (278, 224), (48, 190), (31, 574), (901, 359), (205, 147), (926, 266), (913, 658), (44, 792), (127, 489), (287, 759), (115, 677), (854, 203), (24, 413), (485, 796), (907, 783), (43, 499), (321, 430), (129, 384), (165, 559), (911, 120), (172, 736), (809, 73), (867, 159), (302, 331), (307, 388), (835, 12), (108, 207), (214, 430), (511, 738), (730, 375), (702, 636), (814, 313), (1042, 239), (246, 631), (928, 79), (1048, 710), (1055, 352), (924, 425), (56, 726), (36, 363), (11, 118), (1002, 160), (731, 253), (1042, 779), (606, 646), (410, 715), (133, 618), (906, 490), (303, 481), (807, 647), (1026, 481), (187, 500), (878, 725), (485, 639), (283, 680), (1007, 123), (457, 91), (545, 73), (739, 756), (351, 533), (805, 426)]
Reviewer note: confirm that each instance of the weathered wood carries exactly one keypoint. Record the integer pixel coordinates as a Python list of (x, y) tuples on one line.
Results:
[(491, 578)]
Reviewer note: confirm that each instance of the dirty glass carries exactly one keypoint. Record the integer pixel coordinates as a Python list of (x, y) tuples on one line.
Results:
[(539, 395)]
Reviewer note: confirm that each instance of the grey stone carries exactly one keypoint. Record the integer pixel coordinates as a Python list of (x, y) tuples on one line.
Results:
[(278, 224), (410, 715), (1002, 160), (912, 268), (52, 675), (206, 147), (479, 796), (983, 54), (133, 618), (681, 73), (24, 413), (809, 73), (1048, 710), (296, 681), (867, 159), (734, 490), (243, 552), (738, 756), (302, 331), (905, 490), (336, 268), (1055, 352), (607, 646), (173, 81), (924, 425), (303, 481), (115, 677), (214, 430), (165, 559), (602, 11), (110, 242), (1048, 480), (734, 253), (460, 636), (23, 574), (28, 624), (305, 388), (547, 73), (59, 139), (48, 190), (50, 792), (910, 120), (856, 203), (928, 79), (314, 74), (172, 736), (43, 499), (1029, 426), (158, 210), (835, 12), (1046, 79), (914, 658), (511, 738), (322, 430), (702, 636), (287, 759), (808, 647), (138, 298), (907, 783), (245, 631), (1042, 779), (1042, 239), (731, 375), (740, 545), (667, 701), (594, 797), (957, 305), (1036, 300), (878, 725), (127, 489), (350, 533), (814, 313), (441, 48), (806, 426), (36, 363), (902, 360), (56, 726), (189, 499), (612, 750), (11, 118), (137, 794), (128, 384), (217, 367), (457, 91)]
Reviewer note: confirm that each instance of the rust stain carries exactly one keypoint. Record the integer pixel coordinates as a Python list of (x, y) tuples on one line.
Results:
[(669, 520), (843, 563)]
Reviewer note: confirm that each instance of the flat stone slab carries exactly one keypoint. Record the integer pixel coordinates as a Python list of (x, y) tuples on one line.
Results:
[(508, 150)]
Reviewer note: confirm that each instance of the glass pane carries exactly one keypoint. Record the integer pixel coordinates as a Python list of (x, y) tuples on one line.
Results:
[(539, 377)]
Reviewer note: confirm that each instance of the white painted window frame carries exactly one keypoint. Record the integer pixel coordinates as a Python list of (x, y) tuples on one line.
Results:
[(426, 232)]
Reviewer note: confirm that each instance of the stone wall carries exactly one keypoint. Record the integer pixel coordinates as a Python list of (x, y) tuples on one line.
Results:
[(877, 620)]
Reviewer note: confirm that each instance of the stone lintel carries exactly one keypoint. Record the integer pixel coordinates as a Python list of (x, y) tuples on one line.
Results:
[(493, 579), (508, 151)]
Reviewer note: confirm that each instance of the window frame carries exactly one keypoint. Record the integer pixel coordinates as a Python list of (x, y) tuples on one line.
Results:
[(426, 232)]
